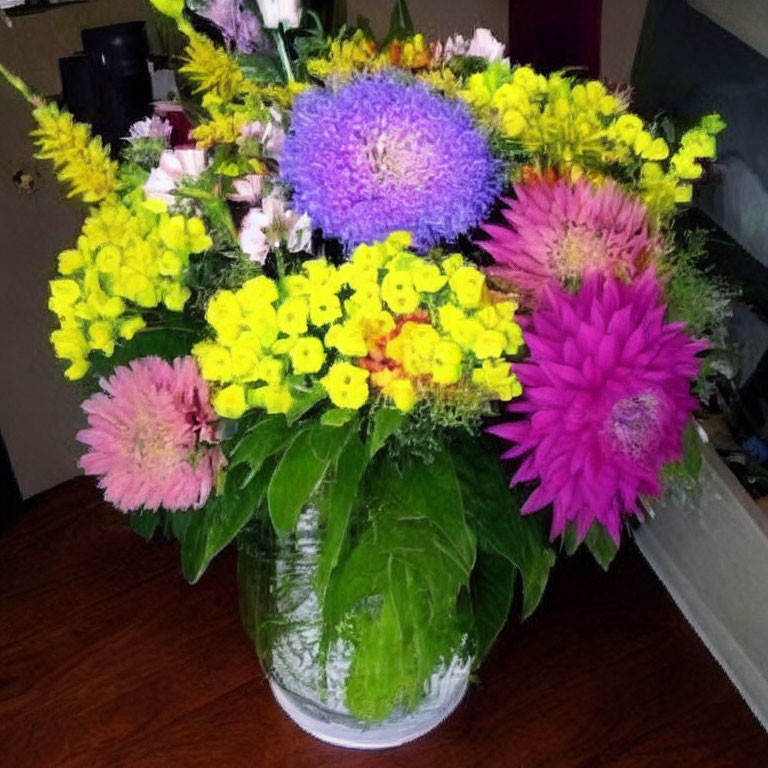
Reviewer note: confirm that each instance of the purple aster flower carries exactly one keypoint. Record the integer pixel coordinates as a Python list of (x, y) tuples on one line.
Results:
[(381, 155)]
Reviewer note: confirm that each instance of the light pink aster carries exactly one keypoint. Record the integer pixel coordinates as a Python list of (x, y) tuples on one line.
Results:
[(561, 230), (152, 436), (606, 400)]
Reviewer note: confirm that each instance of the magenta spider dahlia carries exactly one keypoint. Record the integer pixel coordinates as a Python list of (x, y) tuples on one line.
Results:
[(606, 400), (152, 437), (561, 230)]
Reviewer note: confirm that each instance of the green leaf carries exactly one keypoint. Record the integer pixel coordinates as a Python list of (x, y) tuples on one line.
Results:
[(304, 398), (337, 417), (214, 526), (400, 22), (569, 539), (385, 422), (492, 587), (692, 451), (301, 469), (145, 523), (494, 511), (601, 545), (265, 438), (432, 492), (261, 67), (336, 506)]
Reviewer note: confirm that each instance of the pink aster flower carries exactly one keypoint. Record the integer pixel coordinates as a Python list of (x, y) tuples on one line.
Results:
[(174, 165), (152, 436), (561, 230), (606, 399)]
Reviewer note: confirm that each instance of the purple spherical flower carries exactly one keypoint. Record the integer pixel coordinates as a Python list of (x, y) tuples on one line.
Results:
[(381, 155)]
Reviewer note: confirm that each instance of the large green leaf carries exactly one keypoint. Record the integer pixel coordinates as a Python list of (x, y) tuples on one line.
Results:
[(265, 438), (493, 587), (385, 421), (301, 469), (336, 507), (145, 523), (395, 595), (430, 492), (214, 526), (494, 510)]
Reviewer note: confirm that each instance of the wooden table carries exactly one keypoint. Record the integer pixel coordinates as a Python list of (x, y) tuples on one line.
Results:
[(108, 658)]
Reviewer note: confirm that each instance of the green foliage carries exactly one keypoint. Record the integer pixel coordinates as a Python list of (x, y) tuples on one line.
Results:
[(601, 545), (436, 418), (400, 22), (385, 422), (683, 476), (492, 589), (494, 512), (139, 157), (395, 595), (301, 469), (168, 335), (696, 296), (213, 527)]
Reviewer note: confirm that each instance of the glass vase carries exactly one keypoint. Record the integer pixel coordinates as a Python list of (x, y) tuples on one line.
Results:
[(309, 667)]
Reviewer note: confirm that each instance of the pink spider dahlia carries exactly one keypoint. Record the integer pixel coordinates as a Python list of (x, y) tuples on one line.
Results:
[(560, 230), (152, 437), (606, 400)]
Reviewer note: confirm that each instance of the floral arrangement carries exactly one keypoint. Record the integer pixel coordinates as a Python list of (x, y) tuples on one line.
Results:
[(366, 261)]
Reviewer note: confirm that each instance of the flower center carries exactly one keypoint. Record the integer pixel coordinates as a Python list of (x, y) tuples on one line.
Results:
[(580, 249), (633, 425)]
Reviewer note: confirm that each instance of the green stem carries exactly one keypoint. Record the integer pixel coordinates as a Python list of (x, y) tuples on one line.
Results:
[(283, 51), (21, 87)]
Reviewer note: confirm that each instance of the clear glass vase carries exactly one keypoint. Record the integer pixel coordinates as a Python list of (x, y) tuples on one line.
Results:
[(308, 668)]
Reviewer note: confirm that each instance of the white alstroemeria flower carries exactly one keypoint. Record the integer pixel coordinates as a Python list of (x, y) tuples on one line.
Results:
[(154, 127), (174, 165), (247, 189), (269, 134), (271, 225), (485, 45), (275, 12)]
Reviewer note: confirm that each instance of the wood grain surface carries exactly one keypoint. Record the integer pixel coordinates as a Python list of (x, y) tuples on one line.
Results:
[(108, 658)]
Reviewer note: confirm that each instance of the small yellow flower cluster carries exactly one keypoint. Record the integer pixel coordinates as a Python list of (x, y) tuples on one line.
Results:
[(359, 53), (126, 260), (580, 127), (78, 158), (386, 318), (345, 57)]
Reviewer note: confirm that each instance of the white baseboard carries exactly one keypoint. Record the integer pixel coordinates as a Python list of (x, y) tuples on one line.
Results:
[(711, 553)]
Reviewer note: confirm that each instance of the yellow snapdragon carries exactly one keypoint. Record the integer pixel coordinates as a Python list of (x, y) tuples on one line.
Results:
[(127, 259)]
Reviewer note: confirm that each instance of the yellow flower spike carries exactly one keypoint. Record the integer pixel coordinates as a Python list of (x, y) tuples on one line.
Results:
[(77, 369), (346, 385), (446, 363), (496, 376), (230, 402), (292, 316), (129, 328), (175, 296), (468, 284), (101, 336), (211, 69), (307, 355), (214, 360), (71, 261)]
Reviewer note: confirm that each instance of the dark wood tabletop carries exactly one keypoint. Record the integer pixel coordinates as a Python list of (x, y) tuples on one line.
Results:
[(108, 658)]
